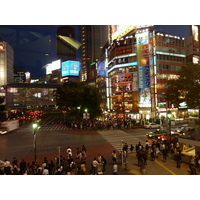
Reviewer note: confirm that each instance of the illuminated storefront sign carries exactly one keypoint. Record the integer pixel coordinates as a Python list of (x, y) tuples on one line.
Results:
[(70, 68), (122, 51), (143, 69)]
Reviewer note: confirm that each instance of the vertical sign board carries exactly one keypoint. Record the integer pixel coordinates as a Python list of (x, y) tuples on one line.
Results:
[(143, 69)]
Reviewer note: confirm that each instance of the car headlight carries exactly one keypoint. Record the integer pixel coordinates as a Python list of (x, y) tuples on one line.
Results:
[(150, 135)]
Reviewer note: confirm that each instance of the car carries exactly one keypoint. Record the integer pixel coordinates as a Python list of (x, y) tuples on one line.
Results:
[(156, 134), (152, 125), (165, 137), (3, 130)]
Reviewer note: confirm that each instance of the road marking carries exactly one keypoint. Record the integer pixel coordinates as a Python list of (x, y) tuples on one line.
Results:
[(170, 171), (135, 172)]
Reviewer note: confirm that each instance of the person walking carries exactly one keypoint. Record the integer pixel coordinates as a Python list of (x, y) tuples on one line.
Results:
[(178, 159), (94, 166), (114, 157)]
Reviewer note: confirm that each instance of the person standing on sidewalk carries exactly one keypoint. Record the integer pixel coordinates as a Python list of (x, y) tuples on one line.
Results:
[(178, 159)]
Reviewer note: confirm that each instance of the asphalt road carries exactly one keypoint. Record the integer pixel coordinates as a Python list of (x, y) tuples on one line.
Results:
[(53, 133)]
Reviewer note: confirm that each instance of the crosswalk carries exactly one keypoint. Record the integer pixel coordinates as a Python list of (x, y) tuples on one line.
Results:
[(116, 137), (44, 128)]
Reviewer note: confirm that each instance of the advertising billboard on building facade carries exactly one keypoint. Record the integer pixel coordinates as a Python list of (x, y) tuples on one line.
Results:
[(53, 66), (70, 68), (143, 69)]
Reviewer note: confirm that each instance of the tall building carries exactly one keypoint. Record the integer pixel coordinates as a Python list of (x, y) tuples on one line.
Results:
[(140, 61), (6, 63), (37, 45), (192, 45), (93, 38)]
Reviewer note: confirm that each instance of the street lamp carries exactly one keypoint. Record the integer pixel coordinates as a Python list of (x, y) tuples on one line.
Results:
[(35, 127)]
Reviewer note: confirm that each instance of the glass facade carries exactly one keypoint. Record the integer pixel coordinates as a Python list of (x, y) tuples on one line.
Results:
[(22, 97)]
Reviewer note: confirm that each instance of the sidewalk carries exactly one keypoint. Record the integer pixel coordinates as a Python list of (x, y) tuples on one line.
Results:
[(157, 167)]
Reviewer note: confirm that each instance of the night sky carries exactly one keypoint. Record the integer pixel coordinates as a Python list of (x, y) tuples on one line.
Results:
[(36, 64)]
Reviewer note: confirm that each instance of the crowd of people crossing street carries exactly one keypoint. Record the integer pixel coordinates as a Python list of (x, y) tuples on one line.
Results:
[(74, 163)]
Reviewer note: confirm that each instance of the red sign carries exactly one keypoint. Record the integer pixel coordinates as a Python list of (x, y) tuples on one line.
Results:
[(123, 50)]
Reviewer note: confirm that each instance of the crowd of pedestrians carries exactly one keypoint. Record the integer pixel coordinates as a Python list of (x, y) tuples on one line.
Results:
[(98, 125), (67, 165)]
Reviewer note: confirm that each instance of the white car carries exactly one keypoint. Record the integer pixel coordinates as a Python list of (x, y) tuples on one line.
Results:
[(152, 125), (3, 130)]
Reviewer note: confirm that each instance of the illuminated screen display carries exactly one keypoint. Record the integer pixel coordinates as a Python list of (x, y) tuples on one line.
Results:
[(70, 68), (143, 69), (101, 71)]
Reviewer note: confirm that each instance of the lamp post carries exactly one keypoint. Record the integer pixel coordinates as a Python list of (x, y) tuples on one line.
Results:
[(169, 115), (35, 127)]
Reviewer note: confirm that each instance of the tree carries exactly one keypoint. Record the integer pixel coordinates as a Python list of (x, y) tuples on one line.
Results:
[(72, 95), (186, 87)]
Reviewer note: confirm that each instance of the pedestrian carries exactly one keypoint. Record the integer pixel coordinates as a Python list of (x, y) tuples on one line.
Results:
[(164, 151), (45, 171), (83, 168), (152, 153), (114, 157), (22, 166), (104, 163), (69, 152), (131, 148), (14, 162), (99, 158), (178, 159), (115, 168), (145, 157), (84, 148), (94, 166), (73, 167)]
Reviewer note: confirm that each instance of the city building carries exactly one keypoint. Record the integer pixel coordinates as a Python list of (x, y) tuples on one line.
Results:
[(35, 96), (93, 39), (192, 45), (140, 61), (6, 67)]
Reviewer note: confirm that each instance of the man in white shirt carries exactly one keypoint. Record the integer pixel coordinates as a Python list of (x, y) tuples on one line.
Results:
[(45, 171), (94, 166)]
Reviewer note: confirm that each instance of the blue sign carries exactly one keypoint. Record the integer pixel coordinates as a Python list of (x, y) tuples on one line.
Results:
[(70, 68)]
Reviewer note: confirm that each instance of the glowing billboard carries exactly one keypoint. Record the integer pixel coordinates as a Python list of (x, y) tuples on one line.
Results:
[(119, 31), (195, 34), (70, 68), (143, 69), (53, 66)]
